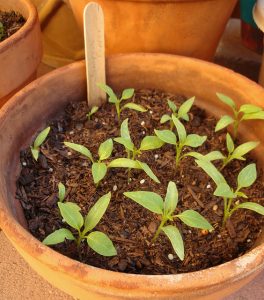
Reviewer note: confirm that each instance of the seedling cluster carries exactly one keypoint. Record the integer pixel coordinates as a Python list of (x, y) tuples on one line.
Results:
[(176, 135)]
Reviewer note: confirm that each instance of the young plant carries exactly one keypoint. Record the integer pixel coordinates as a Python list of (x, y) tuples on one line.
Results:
[(165, 209), (169, 137), (93, 110), (61, 192), (81, 228), (182, 113), (99, 168), (246, 178), (40, 139), (126, 94), (244, 113)]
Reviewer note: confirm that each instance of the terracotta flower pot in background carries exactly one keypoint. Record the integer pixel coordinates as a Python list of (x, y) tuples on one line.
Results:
[(184, 27), (21, 53), (42, 99)]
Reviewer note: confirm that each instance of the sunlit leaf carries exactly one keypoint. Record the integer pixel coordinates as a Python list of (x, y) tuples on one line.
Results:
[(185, 107), (194, 219), (124, 163), (134, 106), (249, 108), (227, 100), (224, 190), (148, 171), (151, 143), (247, 176), (112, 96), (164, 119), (105, 149), (171, 199), (252, 206), (243, 149), (41, 137), (80, 148), (101, 243), (212, 171), (58, 236), (35, 153), (254, 116), (172, 105), (127, 94), (125, 142), (194, 140), (223, 122), (99, 171), (229, 143), (124, 130), (175, 238), (62, 191), (180, 129), (71, 215), (166, 136)]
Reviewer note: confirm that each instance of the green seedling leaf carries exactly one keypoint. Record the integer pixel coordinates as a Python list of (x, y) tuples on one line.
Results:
[(172, 106), (254, 116), (124, 130), (98, 171), (247, 176), (249, 109), (175, 238), (243, 149), (224, 190), (148, 171), (166, 136), (229, 143), (223, 122), (171, 199), (252, 206), (105, 149), (194, 219), (149, 200), (41, 137), (212, 171), (35, 153), (185, 117), (180, 129), (164, 119), (112, 96), (194, 140), (94, 110), (58, 236), (124, 163), (214, 155), (241, 194), (150, 143), (125, 142), (101, 243), (227, 100), (96, 213), (71, 215), (134, 106), (185, 107), (81, 149), (127, 94), (62, 191)]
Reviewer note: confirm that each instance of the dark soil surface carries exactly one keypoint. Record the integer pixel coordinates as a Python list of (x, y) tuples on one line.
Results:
[(130, 226), (11, 22)]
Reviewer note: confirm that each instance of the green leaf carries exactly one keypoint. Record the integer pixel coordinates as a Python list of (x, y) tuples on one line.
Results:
[(214, 155), (254, 116), (58, 236), (125, 142), (252, 206), (62, 191), (81, 149), (229, 143), (127, 94), (112, 96), (194, 219), (180, 129), (247, 176), (124, 163), (185, 117), (96, 213), (172, 106), (224, 190), (171, 199), (134, 106), (148, 171), (194, 140), (124, 130), (98, 171), (150, 143), (175, 238), (35, 153), (101, 243), (223, 122), (211, 170), (227, 100), (41, 137), (71, 215), (185, 107), (243, 149), (105, 149), (149, 200), (241, 194), (164, 119), (166, 136), (249, 108)]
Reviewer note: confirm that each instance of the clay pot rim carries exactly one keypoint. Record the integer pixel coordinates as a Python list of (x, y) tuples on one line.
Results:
[(233, 270), (24, 30)]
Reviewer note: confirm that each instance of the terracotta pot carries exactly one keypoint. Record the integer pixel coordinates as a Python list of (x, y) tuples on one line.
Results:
[(42, 99), (21, 53), (184, 27)]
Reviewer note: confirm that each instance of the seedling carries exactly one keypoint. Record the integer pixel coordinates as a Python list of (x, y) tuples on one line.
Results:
[(246, 178), (182, 113), (169, 137), (1, 31), (81, 228), (126, 94), (61, 192), (35, 149), (93, 110), (244, 113), (165, 209)]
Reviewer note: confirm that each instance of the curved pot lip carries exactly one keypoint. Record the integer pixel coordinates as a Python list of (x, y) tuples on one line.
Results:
[(231, 271), (157, 1), (24, 30)]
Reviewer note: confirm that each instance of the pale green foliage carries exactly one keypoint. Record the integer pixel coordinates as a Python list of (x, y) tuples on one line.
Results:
[(96, 240), (246, 178), (165, 208), (126, 94), (93, 110), (61, 191), (245, 112), (40, 139)]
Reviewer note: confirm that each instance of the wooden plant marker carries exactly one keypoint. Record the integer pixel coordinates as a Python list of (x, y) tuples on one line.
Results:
[(94, 53)]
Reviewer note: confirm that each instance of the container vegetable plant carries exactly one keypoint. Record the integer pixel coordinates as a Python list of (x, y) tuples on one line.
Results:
[(168, 74)]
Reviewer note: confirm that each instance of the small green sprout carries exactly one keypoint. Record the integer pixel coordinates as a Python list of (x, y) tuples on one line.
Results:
[(99, 168), (61, 192), (165, 209), (93, 110), (35, 149), (238, 152), (96, 240), (2, 32), (126, 94), (246, 178), (169, 137), (244, 113), (181, 114)]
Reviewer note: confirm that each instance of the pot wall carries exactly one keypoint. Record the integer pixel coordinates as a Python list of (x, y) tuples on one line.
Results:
[(184, 27), (171, 74), (21, 53)]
